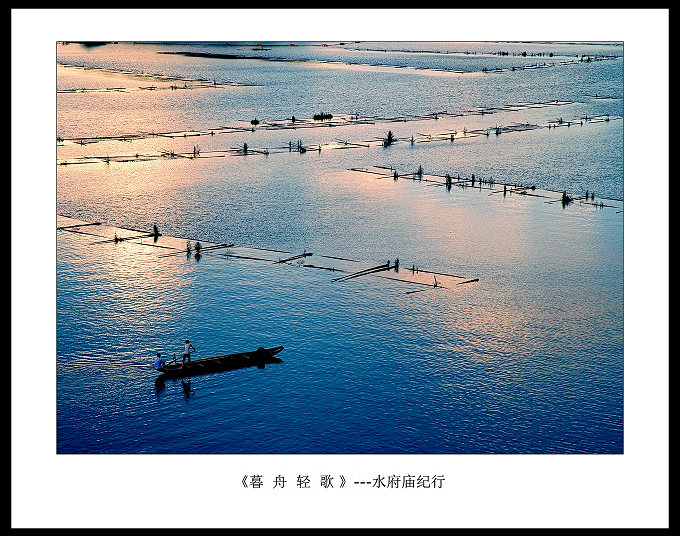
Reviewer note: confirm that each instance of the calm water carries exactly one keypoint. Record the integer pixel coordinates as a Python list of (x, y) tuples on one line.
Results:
[(527, 360)]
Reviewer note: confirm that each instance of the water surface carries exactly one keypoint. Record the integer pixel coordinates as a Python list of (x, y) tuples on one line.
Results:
[(529, 359)]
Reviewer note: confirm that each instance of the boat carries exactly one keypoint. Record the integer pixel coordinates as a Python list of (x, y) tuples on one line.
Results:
[(257, 358)]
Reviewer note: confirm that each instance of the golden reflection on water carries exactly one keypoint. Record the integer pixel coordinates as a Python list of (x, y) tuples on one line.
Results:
[(453, 221), (135, 262), (444, 357)]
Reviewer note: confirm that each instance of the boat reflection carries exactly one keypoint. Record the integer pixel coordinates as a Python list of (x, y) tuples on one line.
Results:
[(187, 389)]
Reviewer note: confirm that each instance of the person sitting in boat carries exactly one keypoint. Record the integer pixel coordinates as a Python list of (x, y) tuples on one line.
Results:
[(188, 348), (160, 362)]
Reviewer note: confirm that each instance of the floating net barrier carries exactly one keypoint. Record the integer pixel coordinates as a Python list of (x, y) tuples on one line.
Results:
[(298, 147), (491, 186), (160, 82), (292, 123), (341, 270)]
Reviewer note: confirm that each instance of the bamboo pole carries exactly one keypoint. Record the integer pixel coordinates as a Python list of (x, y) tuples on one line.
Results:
[(205, 248), (124, 239), (367, 271), (231, 255), (329, 268), (217, 246), (293, 258), (66, 227)]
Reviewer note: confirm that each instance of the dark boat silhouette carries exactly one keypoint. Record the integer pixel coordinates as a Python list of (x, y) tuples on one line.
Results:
[(258, 358)]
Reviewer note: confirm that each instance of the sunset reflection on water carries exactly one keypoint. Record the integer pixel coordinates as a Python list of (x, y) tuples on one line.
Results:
[(506, 310)]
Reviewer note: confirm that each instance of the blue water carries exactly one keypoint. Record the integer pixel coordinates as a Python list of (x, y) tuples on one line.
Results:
[(527, 360)]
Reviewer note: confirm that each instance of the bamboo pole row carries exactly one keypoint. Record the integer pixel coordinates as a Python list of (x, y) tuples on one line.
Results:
[(132, 89), (185, 81), (339, 120), (536, 65), (334, 267), (299, 148), (493, 186)]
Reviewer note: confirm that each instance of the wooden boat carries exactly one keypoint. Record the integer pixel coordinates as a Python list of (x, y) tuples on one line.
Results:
[(258, 358)]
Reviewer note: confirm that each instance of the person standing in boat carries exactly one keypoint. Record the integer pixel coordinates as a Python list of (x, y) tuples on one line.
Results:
[(188, 348)]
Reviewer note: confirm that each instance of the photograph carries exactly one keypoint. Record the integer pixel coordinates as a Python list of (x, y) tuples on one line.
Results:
[(339, 267), (339, 248)]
